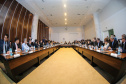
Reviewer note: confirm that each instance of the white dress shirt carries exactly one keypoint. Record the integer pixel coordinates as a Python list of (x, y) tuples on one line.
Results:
[(106, 46)]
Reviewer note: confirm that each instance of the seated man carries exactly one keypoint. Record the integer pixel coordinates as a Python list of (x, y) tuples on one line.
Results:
[(4, 45), (99, 43), (24, 45), (94, 42), (65, 42), (113, 43), (41, 43), (16, 45), (83, 42), (30, 43), (123, 45)]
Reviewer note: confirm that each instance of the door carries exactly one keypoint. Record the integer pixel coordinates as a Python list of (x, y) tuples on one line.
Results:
[(111, 32)]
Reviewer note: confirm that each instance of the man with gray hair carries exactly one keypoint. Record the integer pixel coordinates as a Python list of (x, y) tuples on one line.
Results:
[(24, 45), (123, 45), (113, 43)]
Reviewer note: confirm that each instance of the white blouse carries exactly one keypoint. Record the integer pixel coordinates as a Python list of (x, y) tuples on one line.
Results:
[(106, 46)]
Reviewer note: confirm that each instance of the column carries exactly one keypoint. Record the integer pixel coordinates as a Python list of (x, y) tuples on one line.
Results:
[(97, 25), (34, 27)]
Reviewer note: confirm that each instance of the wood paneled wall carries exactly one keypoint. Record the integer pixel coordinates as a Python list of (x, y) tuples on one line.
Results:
[(15, 20), (43, 31)]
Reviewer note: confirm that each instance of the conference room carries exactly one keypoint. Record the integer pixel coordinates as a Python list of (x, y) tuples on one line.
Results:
[(62, 42)]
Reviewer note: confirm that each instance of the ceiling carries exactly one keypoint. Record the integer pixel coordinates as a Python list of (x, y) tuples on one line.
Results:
[(51, 12)]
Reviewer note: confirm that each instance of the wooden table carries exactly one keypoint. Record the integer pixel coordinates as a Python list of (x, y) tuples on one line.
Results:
[(16, 66), (115, 66)]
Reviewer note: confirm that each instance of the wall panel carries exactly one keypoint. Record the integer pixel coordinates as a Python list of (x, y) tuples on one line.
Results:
[(15, 20), (43, 31)]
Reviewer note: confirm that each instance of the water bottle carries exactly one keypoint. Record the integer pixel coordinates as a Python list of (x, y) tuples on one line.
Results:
[(119, 50), (96, 47), (102, 48), (34, 47), (26, 50), (89, 47), (10, 51)]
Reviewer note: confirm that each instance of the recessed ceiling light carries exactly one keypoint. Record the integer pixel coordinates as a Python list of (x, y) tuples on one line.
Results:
[(64, 5), (65, 14), (65, 19), (65, 23)]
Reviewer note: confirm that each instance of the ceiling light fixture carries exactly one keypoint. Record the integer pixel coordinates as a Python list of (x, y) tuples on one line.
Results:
[(65, 19), (64, 5), (65, 14), (65, 23)]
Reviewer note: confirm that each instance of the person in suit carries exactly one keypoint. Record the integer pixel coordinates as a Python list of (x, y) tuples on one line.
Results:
[(113, 43), (89, 42), (16, 45), (69, 42), (65, 42), (83, 42), (4, 45), (41, 43), (123, 45), (99, 43), (36, 43), (24, 45), (30, 43), (94, 42)]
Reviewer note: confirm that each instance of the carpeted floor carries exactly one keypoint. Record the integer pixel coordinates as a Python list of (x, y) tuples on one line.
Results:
[(65, 66)]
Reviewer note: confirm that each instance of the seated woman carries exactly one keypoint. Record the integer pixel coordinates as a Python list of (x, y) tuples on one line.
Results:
[(106, 45)]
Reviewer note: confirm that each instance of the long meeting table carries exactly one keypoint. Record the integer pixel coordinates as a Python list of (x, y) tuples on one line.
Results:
[(116, 66), (16, 65)]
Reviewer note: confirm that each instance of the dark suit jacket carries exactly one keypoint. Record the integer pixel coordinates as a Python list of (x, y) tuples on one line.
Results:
[(123, 47), (41, 44), (114, 46), (30, 45), (14, 47), (36, 45), (82, 42), (100, 44), (94, 43), (1, 46)]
